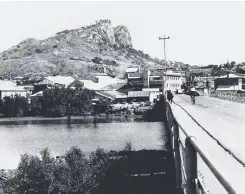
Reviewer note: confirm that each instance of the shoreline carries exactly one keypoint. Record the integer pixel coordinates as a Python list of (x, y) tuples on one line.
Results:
[(73, 120)]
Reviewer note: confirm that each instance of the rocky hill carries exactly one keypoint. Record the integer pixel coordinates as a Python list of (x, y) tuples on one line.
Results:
[(75, 52)]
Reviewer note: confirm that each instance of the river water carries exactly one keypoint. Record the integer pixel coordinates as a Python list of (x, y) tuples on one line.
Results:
[(32, 138)]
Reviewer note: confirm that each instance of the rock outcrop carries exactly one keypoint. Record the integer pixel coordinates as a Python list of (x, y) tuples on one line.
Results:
[(71, 52), (122, 36)]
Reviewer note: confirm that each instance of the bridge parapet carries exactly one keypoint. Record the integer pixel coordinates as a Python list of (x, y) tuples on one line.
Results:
[(202, 165)]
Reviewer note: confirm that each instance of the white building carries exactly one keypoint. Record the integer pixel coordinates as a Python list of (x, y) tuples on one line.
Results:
[(134, 69), (10, 89), (172, 81), (230, 83)]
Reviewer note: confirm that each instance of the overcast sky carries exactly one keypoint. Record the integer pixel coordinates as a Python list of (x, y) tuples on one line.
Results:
[(201, 33)]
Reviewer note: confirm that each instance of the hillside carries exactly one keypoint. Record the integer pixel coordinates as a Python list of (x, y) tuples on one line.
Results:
[(75, 52)]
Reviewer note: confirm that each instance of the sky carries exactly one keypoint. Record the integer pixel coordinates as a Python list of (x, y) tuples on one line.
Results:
[(201, 33)]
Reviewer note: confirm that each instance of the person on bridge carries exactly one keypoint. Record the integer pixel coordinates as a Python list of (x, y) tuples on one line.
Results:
[(170, 97), (193, 99)]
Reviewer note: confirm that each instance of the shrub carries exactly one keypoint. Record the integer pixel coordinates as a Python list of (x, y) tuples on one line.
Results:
[(58, 102), (112, 63), (38, 51), (15, 106), (97, 60), (73, 173)]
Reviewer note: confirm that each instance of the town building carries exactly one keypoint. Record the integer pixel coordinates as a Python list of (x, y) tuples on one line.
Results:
[(204, 85), (172, 80), (111, 96), (10, 89), (202, 82), (153, 78), (138, 96), (231, 82), (53, 81), (116, 92), (134, 69), (99, 81)]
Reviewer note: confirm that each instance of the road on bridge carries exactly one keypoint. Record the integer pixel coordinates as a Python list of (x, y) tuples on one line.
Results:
[(224, 120)]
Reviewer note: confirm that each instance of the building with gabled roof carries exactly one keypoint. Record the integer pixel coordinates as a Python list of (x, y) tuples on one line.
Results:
[(10, 89), (57, 81), (53, 81), (232, 82)]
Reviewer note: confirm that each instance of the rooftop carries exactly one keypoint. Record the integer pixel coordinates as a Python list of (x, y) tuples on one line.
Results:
[(6, 85), (131, 69), (103, 81), (111, 94), (132, 94), (62, 80), (115, 86), (231, 76)]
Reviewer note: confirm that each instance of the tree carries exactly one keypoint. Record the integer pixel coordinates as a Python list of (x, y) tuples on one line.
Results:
[(97, 60), (233, 63), (215, 67), (15, 106), (30, 177), (58, 102), (227, 65), (73, 173)]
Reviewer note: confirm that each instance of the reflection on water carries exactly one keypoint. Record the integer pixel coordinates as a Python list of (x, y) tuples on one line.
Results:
[(62, 120), (19, 139)]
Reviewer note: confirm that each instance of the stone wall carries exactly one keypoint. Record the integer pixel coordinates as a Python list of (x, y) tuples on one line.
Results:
[(229, 96)]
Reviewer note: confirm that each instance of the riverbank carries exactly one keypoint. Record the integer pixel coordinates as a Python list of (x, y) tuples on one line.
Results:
[(73, 120)]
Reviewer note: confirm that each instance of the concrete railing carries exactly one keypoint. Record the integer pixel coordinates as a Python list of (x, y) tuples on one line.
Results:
[(201, 164), (229, 96)]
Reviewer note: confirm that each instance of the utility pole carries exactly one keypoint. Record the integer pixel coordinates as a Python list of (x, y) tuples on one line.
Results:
[(165, 60)]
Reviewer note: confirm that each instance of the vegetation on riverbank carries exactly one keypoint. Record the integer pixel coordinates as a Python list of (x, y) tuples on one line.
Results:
[(126, 171), (71, 173), (55, 102), (60, 102)]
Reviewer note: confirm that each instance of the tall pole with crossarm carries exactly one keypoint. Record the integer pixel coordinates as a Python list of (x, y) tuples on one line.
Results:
[(165, 60)]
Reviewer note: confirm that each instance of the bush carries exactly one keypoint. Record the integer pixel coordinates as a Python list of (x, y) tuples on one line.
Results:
[(38, 51), (73, 173), (112, 63), (59, 102), (97, 60), (15, 106)]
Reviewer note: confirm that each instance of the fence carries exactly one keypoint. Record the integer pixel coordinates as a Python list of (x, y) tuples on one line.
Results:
[(195, 172), (229, 96)]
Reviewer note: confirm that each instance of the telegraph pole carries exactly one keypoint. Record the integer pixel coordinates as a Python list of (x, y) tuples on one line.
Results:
[(165, 59)]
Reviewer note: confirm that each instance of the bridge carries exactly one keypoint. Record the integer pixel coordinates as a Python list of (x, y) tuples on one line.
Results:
[(208, 145)]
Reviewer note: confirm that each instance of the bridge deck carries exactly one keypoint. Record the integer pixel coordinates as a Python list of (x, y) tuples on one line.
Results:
[(217, 128), (222, 119)]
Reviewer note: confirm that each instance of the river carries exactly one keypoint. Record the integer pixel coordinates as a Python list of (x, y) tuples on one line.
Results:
[(32, 138)]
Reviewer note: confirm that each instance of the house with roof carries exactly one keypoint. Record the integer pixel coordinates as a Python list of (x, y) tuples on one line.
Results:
[(53, 81), (134, 69), (111, 96), (10, 89), (116, 92), (138, 96), (173, 80), (102, 80), (232, 82)]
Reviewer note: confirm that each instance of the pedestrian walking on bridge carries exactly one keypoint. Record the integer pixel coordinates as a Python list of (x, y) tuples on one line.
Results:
[(170, 97)]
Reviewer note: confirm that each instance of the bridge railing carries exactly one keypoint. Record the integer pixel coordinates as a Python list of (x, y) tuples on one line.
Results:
[(229, 96), (196, 173)]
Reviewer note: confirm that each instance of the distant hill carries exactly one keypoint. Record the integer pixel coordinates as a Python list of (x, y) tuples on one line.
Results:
[(76, 52)]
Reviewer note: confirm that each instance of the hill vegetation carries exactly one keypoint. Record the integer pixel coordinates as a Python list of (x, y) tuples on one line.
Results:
[(75, 52)]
